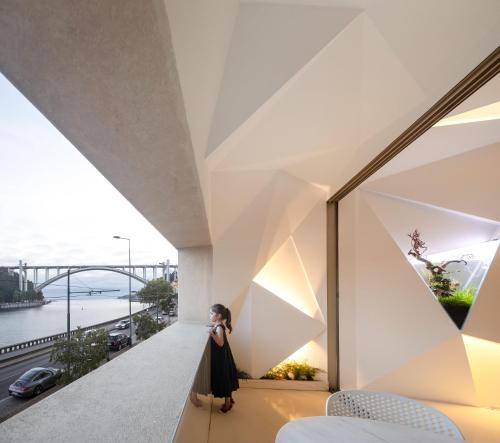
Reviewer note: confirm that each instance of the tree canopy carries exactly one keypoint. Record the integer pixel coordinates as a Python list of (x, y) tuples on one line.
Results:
[(146, 326), (83, 353), (157, 291)]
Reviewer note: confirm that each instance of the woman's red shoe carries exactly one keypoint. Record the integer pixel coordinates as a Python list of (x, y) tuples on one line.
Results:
[(225, 409)]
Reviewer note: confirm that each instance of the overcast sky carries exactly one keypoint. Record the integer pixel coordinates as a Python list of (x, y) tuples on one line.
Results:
[(55, 207)]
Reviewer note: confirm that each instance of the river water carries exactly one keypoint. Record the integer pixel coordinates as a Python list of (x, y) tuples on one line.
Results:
[(26, 324)]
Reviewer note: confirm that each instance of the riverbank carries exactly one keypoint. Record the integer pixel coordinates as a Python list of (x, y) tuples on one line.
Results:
[(23, 305), (20, 325)]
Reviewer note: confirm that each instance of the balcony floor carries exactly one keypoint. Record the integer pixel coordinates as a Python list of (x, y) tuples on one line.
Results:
[(259, 413), (262, 411)]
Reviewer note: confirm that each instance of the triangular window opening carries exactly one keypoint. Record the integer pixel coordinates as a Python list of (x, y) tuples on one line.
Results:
[(454, 276)]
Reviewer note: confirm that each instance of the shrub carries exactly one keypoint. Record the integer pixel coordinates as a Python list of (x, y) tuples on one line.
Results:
[(292, 370), (463, 298), (146, 326)]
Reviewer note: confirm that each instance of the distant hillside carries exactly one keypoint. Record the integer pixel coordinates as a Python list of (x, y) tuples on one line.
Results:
[(9, 288)]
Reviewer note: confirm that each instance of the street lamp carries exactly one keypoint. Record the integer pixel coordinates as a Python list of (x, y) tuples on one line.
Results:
[(68, 316), (129, 286)]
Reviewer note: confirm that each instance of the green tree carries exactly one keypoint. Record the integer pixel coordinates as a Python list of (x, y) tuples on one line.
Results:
[(156, 291), (81, 354), (146, 326), (167, 304), (17, 295)]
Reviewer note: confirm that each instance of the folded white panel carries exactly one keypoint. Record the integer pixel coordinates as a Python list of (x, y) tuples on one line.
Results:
[(397, 316), (443, 372)]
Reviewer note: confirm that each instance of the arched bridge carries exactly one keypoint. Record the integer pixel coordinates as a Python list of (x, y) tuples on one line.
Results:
[(42, 276), (84, 269)]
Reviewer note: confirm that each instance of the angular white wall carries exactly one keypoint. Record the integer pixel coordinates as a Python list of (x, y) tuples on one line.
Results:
[(285, 102), (269, 268), (394, 334)]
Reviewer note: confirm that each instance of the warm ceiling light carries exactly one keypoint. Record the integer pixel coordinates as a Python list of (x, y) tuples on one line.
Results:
[(482, 114)]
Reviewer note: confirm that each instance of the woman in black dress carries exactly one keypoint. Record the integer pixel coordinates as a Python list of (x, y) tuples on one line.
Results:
[(223, 377)]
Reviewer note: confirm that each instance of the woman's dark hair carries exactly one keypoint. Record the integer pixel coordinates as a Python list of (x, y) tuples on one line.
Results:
[(225, 314)]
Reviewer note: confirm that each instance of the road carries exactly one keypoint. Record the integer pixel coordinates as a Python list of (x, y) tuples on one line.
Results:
[(11, 373), (12, 370)]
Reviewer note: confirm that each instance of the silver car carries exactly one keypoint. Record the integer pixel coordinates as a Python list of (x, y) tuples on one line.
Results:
[(34, 382), (122, 324)]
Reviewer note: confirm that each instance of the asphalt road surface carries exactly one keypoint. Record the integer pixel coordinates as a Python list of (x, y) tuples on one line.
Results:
[(12, 370), (11, 373)]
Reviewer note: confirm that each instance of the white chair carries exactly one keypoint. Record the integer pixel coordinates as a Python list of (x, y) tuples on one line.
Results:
[(390, 408)]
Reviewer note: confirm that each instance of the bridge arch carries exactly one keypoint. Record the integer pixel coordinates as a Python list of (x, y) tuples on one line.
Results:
[(88, 268)]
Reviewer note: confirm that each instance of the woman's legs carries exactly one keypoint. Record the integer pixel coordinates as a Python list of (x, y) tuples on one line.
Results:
[(195, 400), (227, 405)]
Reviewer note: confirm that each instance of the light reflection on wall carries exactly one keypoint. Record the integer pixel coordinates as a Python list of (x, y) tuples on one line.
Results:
[(311, 352), (284, 276), (481, 114), (484, 361)]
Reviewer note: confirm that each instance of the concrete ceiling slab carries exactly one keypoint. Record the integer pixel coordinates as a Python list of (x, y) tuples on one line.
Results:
[(104, 74)]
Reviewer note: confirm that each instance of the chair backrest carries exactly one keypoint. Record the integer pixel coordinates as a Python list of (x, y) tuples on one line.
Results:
[(391, 408)]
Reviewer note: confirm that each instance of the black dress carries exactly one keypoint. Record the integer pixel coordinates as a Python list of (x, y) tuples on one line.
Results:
[(223, 376)]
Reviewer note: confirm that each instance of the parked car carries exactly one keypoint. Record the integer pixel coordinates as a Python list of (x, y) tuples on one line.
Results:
[(34, 382), (90, 332), (122, 324), (117, 340), (159, 319)]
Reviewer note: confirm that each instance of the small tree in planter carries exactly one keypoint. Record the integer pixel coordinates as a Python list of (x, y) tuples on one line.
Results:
[(443, 286), (440, 284)]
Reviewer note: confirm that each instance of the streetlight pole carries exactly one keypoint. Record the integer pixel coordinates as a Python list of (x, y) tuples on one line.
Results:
[(157, 306), (68, 320), (129, 287)]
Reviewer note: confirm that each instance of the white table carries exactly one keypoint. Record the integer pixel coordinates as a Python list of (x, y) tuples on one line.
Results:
[(354, 430)]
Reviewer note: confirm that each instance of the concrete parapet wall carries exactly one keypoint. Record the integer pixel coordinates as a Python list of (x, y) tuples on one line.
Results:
[(138, 396)]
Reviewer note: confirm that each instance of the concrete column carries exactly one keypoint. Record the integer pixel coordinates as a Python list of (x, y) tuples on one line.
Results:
[(154, 272), (144, 273), (21, 273), (167, 270), (195, 283), (35, 276), (47, 274)]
